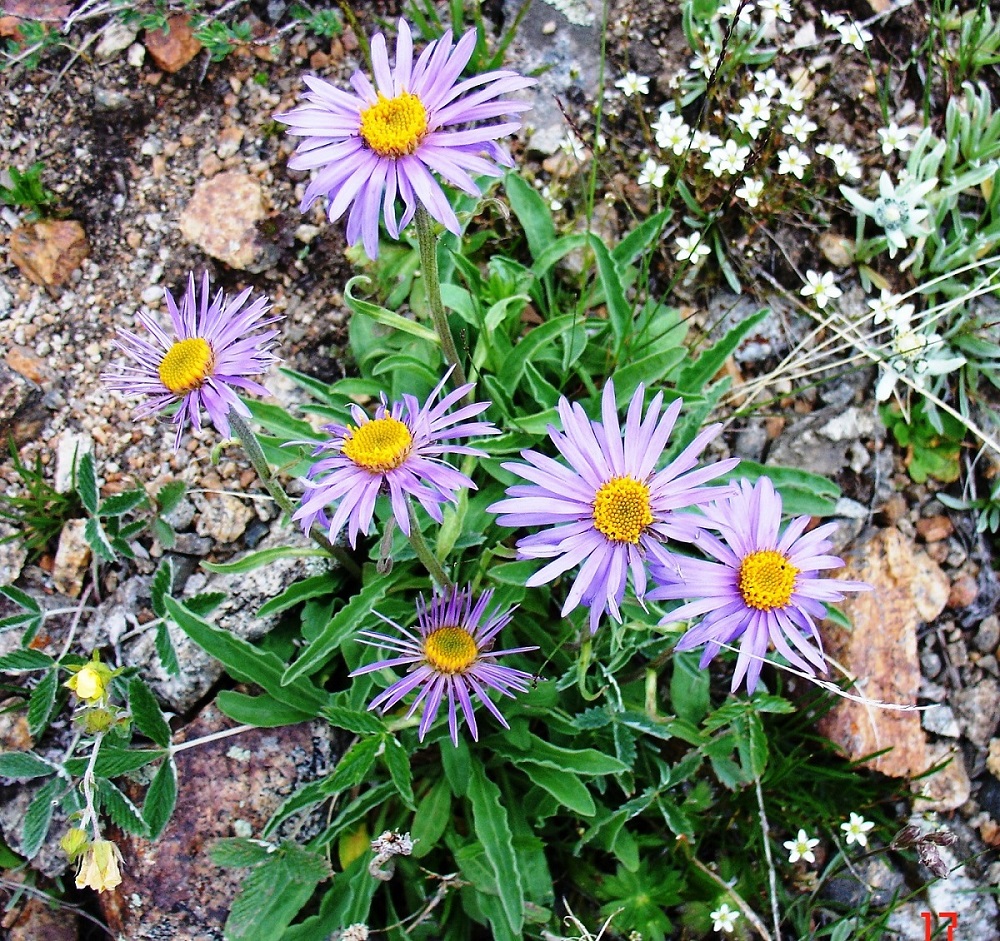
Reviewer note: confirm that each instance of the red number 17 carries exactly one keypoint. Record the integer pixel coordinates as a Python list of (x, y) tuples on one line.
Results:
[(929, 917)]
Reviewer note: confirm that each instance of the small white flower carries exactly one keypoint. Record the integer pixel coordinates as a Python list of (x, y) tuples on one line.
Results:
[(555, 204), (889, 307), (793, 161), (792, 97), (897, 210), (801, 848), (653, 174), (671, 132), (751, 191), (916, 354), (691, 248), (772, 10), (832, 20), (755, 106), (730, 159), (768, 83), (854, 35), (896, 138), (633, 84), (704, 61), (821, 288), (728, 10), (572, 146), (747, 124), (847, 164), (705, 142), (724, 919), (799, 126), (856, 829)]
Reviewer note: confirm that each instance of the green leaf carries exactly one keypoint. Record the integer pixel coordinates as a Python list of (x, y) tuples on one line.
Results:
[(531, 212), (18, 660), (619, 309), (238, 852), (160, 587), (98, 540), (640, 238), (245, 662), (264, 711), (39, 816), (24, 765), (689, 684), (254, 560), (274, 893), (86, 482), (120, 809), (386, 317), (169, 495), (21, 598), (355, 811), (432, 818), (165, 650), (119, 504), (112, 762), (360, 723), (697, 375), (313, 587), (397, 760), (41, 703), (161, 797), (802, 493), (342, 625), (564, 786), (489, 819), (146, 713), (585, 761)]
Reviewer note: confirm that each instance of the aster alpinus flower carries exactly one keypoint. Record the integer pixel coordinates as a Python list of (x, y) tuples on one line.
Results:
[(382, 143), (400, 451), (215, 345), (610, 507), (450, 656), (764, 585)]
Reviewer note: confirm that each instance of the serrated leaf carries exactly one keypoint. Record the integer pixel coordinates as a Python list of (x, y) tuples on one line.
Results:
[(205, 602), (489, 818), (112, 762), (119, 504), (120, 809), (41, 703), (342, 625), (170, 494), (161, 797), (86, 482), (584, 761), (21, 598), (695, 376), (146, 713), (274, 893), (160, 587), (397, 760), (23, 765), (239, 852), (360, 723), (98, 540), (165, 650), (18, 660), (39, 816)]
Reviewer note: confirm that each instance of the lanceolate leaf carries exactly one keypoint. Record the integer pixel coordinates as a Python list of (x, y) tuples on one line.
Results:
[(39, 816), (42, 702), (160, 798), (146, 713)]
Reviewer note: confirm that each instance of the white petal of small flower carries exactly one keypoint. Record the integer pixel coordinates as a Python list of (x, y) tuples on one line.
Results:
[(572, 146), (691, 248), (856, 829), (847, 164), (854, 35), (832, 20), (633, 84), (792, 97), (772, 10), (820, 287), (801, 848), (730, 159), (768, 83), (705, 142), (889, 307), (751, 191), (799, 126), (724, 919), (728, 10), (653, 174), (704, 61), (793, 161), (896, 138)]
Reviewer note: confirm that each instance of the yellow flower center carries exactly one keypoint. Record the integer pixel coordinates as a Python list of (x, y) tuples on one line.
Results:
[(187, 365), (380, 445), (621, 509), (394, 127), (766, 580), (909, 343), (450, 650)]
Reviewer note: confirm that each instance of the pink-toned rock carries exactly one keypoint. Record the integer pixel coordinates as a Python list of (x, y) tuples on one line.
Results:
[(964, 591), (171, 50), (881, 651), (945, 789), (934, 528), (221, 219), (229, 787), (48, 252), (27, 364)]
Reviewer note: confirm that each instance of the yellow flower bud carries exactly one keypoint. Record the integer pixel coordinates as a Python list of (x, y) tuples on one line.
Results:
[(97, 720), (74, 842), (91, 681), (99, 867)]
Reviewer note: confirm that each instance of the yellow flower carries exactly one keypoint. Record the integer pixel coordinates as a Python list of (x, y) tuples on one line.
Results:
[(91, 681), (99, 867), (74, 842)]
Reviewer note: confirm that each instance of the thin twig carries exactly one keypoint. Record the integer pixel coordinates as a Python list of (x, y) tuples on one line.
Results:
[(772, 883)]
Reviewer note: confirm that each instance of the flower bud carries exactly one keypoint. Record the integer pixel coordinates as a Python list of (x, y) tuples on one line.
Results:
[(74, 842), (99, 867)]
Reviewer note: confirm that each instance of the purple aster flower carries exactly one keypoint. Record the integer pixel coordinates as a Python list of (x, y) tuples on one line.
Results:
[(452, 655), (610, 508), (215, 344), (383, 142), (764, 586), (400, 450)]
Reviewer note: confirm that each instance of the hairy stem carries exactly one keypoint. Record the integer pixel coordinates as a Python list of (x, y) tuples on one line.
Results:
[(424, 553)]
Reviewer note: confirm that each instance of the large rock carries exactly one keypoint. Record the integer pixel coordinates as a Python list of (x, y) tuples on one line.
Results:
[(49, 252), (221, 219), (881, 651), (173, 48), (228, 787)]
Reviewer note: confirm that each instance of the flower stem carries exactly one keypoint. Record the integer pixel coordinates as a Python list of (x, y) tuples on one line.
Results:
[(423, 551), (429, 265), (256, 455)]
